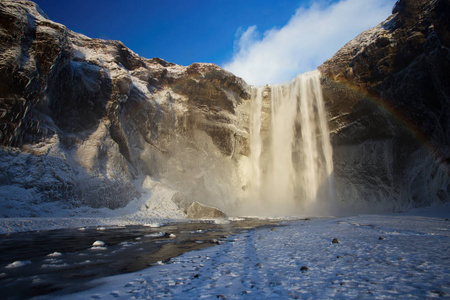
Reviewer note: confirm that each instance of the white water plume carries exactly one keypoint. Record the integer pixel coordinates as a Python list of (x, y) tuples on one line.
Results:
[(255, 139), (292, 167)]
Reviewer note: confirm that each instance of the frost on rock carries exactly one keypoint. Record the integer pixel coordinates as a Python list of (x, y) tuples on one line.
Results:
[(18, 264), (98, 244)]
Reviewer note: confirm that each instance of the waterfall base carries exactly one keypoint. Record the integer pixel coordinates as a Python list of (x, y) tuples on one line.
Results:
[(291, 156)]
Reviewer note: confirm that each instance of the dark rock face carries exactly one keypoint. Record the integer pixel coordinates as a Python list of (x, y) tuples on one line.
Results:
[(388, 95), (102, 116)]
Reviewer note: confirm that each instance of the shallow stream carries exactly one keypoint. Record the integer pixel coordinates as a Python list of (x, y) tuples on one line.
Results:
[(65, 260)]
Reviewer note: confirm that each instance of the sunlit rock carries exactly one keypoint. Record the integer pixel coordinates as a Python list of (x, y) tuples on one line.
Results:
[(91, 117), (200, 211)]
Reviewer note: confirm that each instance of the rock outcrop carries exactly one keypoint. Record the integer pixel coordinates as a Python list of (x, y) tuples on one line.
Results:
[(388, 96), (82, 118), (200, 211)]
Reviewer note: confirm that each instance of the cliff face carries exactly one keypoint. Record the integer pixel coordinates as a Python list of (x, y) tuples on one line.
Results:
[(388, 95), (82, 118), (84, 121)]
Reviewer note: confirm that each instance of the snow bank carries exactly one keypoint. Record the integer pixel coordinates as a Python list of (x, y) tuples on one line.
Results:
[(154, 208)]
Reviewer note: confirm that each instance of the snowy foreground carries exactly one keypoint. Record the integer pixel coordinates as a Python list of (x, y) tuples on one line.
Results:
[(377, 256)]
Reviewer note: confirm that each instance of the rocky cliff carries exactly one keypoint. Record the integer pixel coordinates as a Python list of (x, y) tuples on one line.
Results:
[(388, 96), (83, 120), (87, 122)]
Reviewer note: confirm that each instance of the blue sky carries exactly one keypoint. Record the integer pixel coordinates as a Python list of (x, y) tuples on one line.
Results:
[(255, 39)]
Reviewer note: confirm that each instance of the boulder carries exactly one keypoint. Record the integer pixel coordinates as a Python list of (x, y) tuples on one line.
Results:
[(201, 211)]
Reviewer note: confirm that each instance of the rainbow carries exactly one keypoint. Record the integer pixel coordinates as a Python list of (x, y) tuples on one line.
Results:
[(415, 132)]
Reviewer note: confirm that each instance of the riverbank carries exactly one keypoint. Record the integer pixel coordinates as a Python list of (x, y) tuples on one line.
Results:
[(386, 256)]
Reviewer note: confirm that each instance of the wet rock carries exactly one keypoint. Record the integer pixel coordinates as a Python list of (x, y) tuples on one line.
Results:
[(201, 211), (217, 242), (439, 293)]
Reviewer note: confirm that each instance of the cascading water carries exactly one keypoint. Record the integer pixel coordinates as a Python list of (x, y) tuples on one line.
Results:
[(255, 140), (291, 162)]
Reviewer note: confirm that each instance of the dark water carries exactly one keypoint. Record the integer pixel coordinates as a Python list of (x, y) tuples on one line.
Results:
[(127, 249)]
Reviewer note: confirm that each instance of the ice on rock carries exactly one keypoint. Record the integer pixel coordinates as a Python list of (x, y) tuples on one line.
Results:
[(54, 265), (17, 264), (98, 244), (153, 225), (53, 260), (155, 235)]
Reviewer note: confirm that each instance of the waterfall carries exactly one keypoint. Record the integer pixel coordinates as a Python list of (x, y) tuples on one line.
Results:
[(291, 162), (255, 140)]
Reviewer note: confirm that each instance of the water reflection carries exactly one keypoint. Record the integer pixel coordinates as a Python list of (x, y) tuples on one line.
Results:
[(64, 261)]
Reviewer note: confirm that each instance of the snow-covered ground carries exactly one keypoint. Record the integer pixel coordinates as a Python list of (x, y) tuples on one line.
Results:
[(377, 256), (154, 207)]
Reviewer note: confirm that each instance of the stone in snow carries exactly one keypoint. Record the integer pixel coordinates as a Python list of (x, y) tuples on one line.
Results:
[(17, 264), (98, 244), (201, 211)]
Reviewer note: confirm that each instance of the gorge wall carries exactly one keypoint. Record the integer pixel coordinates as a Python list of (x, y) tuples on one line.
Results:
[(388, 96), (83, 121)]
